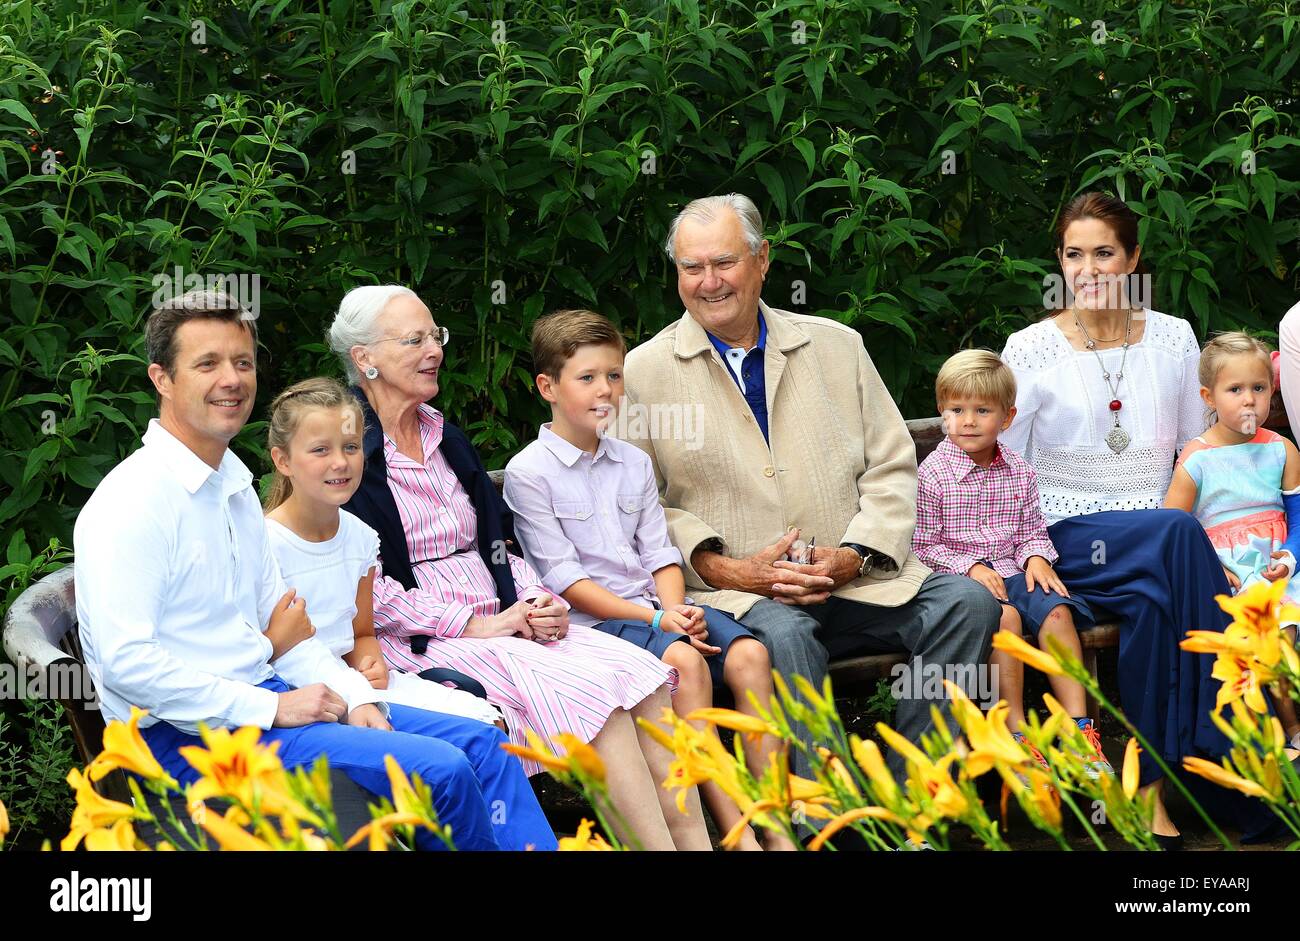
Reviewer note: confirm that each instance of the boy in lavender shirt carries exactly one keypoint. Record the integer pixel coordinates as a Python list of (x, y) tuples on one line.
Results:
[(588, 519)]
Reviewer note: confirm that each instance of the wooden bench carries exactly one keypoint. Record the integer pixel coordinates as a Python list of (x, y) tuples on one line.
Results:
[(39, 635)]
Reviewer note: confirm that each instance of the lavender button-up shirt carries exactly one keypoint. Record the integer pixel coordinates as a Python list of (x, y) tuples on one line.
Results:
[(580, 515)]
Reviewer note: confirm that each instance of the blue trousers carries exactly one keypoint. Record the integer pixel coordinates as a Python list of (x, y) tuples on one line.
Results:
[(478, 789)]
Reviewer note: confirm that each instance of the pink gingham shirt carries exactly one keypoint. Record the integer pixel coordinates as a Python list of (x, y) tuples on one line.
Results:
[(967, 514), (442, 537)]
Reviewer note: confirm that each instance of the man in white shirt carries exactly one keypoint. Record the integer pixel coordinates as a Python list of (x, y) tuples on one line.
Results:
[(176, 583)]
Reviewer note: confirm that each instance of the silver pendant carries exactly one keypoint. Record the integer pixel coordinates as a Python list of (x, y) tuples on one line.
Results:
[(1118, 439)]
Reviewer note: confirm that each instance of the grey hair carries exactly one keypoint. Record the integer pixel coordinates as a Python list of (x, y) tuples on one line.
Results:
[(354, 324), (706, 208)]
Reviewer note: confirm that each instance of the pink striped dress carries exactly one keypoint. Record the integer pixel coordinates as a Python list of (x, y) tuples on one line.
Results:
[(572, 685)]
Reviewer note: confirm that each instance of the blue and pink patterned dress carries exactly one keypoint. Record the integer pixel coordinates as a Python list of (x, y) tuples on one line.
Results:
[(1239, 500)]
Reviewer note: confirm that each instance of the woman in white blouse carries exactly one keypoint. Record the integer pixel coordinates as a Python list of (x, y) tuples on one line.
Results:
[(1107, 394)]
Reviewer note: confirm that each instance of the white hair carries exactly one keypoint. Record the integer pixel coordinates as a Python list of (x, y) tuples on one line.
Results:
[(706, 208), (354, 324)]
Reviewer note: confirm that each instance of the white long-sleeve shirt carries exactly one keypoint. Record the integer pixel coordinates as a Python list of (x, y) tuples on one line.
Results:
[(1288, 342), (175, 583), (1063, 415)]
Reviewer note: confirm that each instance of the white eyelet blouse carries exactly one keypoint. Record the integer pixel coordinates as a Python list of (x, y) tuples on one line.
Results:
[(1063, 415)]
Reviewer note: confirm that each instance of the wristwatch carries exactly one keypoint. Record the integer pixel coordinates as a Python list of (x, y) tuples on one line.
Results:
[(871, 559)]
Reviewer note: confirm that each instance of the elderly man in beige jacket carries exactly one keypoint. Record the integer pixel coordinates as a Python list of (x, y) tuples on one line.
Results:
[(794, 436)]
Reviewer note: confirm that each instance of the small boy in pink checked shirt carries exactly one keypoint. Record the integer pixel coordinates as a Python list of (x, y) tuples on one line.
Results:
[(977, 514)]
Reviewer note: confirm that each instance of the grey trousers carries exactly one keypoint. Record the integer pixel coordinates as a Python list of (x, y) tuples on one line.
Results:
[(950, 622)]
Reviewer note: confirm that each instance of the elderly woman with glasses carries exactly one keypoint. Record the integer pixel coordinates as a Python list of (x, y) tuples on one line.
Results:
[(451, 594)]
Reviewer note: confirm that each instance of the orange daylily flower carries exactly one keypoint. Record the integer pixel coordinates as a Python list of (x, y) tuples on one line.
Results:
[(379, 832), (582, 754), (93, 810), (537, 751), (584, 840), (736, 832), (4, 823), (1261, 607), (121, 837), (991, 742), (1130, 776), (867, 754), (125, 748), (228, 834), (237, 766), (731, 719), (1243, 678), (1224, 777), (844, 819), (1217, 642), (1025, 652)]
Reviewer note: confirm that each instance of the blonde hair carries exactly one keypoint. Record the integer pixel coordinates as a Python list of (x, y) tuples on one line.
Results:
[(287, 410), (977, 374), (1225, 345)]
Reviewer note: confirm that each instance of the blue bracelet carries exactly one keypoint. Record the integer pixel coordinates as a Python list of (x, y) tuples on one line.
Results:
[(659, 616)]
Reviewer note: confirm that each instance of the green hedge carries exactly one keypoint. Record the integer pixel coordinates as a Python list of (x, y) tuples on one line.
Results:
[(512, 157)]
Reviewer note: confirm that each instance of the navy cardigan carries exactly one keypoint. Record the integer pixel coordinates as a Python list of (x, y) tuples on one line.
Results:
[(374, 504)]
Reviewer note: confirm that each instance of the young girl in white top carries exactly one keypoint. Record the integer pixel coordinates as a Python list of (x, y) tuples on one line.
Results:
[(331, 557)]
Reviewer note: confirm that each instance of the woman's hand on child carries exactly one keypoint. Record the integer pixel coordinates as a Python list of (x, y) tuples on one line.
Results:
[(989, 579), (1233, 580), (289, 624), (376, 671), (1038, 571)]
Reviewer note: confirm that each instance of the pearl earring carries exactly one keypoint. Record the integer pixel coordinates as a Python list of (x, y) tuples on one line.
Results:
[(372, 373)]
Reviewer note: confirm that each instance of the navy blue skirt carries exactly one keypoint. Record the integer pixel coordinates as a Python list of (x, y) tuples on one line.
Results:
[(1156, 573)]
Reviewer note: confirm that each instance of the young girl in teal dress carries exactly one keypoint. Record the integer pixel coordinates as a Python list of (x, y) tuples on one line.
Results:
[(1241, 480)]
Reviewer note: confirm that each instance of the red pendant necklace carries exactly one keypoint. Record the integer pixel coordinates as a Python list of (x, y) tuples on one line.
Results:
[(1118, 439)]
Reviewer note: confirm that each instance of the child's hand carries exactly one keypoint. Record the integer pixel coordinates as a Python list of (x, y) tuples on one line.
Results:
[(376, 671), (1233, 580), (707, 649), (1038, 571), (289, 624), (696, 616), (675, 622), (1279, 569), (368, 716), (989, 579)]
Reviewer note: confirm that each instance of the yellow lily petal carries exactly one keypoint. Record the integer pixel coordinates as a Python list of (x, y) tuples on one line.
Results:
[(4, 823), (584, 839), (538, 752), (738, 830), (1223, 777), (1040, 660), (228, 835), (379, 832), (125, 748), (844, 819), (93, 811), (869, 759), (583, 754), (731, 719), (120, 838), (901, 745), (1130, 775)]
